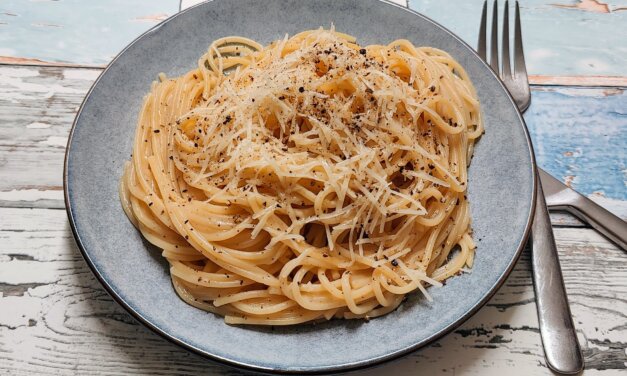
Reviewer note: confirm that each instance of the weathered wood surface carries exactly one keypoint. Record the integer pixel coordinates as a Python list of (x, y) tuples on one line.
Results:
[(56, 318), (38, 104), (75, 31), (562, 37), (37, 107), (580, 136), (76, 328)]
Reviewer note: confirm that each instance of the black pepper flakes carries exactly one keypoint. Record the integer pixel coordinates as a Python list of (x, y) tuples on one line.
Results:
[(394, 262)]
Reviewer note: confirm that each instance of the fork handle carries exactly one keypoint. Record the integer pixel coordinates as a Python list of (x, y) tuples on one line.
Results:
[(557, 331)]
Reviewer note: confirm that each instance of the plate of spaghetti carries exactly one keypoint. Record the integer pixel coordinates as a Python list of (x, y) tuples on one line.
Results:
[(288, 186)]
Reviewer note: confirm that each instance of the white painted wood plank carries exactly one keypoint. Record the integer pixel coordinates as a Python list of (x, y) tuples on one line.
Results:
[(37, 108), (56, 319), (38, 105)]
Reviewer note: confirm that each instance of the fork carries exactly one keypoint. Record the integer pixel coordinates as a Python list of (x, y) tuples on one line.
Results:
[(561, 347)]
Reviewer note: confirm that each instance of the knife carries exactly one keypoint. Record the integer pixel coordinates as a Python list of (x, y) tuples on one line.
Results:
[(559, 196)]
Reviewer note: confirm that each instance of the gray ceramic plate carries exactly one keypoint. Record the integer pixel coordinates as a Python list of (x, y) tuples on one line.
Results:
[(501, 191)]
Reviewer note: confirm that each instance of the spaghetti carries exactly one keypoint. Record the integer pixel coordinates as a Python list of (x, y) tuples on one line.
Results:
[(310, 179)]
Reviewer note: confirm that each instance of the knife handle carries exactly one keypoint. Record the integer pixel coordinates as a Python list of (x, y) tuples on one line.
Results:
[(602, 220), (557, 331)]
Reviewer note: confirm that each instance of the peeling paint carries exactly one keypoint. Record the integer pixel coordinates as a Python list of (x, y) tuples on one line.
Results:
[(80, 329), (22, 307), (568, 180), (29, 61), (587, 80), (30, 195), (578, 91), (12, 273), (91, 31), (589, 124), (81, 74), (151, 18), (561, 37), (22, 85), (18, 72), (55, 141), (587, 5), (613, 91), (38, 125)]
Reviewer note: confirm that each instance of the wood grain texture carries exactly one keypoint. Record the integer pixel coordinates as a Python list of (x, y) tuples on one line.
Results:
[(38, 104), (560, 38), (60, 321), (37, 108), (56, 318), (580, 137), (75, 31), (593, 81)]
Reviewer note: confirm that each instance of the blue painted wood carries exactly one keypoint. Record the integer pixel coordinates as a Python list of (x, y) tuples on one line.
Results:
[(558, 40), (580, 136), (75, 31)]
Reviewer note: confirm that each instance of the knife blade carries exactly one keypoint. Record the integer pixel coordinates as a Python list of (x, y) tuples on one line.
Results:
[(559, 196)]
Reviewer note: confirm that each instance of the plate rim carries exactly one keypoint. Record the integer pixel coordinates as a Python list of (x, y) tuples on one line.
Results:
[(352, 366)]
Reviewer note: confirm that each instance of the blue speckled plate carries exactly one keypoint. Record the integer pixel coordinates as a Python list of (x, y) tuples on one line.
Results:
[(502, 187)]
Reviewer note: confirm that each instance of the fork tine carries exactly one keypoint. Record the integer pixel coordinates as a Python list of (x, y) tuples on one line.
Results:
[(519, 56), (494, 48), (506, 71), (481, 49)]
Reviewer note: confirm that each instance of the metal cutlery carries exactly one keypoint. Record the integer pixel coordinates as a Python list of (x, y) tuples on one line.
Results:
[(560, 197), (557, 331)]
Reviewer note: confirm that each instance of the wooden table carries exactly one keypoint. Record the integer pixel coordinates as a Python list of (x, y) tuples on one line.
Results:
[(55, 318)]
